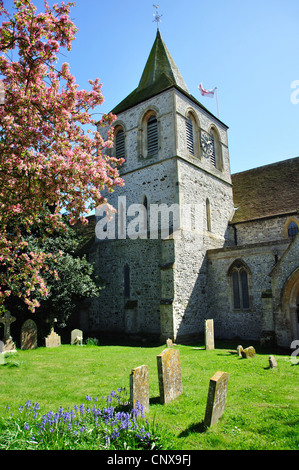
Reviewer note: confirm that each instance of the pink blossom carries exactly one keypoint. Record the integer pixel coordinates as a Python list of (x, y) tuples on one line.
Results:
[(46, 157)]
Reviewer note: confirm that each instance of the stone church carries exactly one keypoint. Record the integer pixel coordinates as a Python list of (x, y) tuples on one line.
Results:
[(231, 249)]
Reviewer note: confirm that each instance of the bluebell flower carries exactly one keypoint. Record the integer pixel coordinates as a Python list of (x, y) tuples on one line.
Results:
[(26, 427)]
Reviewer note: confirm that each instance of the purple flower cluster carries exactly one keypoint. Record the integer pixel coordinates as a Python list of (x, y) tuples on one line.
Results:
[(108, 424)]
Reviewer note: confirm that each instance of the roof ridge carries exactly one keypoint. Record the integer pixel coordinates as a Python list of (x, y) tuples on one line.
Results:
[(265, 166)]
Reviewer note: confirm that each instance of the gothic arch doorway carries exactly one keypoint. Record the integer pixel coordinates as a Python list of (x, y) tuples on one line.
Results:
[(291, 304)]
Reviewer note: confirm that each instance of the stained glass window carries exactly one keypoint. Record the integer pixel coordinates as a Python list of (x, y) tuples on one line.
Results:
[(292, 229)]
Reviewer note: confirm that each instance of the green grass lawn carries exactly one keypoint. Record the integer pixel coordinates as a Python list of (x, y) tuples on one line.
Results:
[(262, 408)]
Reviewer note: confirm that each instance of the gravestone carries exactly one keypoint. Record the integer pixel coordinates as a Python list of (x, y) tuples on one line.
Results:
[(248, 352), (29, 335), (169, 343), (7, 319), (53, 340), (169, 375), (2, 358), (10, 346), (139, 387), (209, 334), (216, 398), (239, 350), (77, 337), (272, 362)]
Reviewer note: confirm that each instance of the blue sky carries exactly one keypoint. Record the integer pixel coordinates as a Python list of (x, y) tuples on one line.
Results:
[(249, 50)]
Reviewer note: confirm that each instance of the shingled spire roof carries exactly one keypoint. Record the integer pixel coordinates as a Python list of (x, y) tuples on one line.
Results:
[(159, 74)]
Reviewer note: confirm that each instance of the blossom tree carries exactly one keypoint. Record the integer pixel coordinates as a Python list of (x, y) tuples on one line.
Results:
[(49, 161)]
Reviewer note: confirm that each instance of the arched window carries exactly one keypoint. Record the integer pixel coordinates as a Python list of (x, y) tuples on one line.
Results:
[(120, 143), (189, 135), (215, 155), (148, 134), (152, 136), (239, 275), (208, 214), (292, 229)]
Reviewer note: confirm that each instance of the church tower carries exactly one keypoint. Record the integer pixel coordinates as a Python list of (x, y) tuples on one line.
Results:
[(175, 205)]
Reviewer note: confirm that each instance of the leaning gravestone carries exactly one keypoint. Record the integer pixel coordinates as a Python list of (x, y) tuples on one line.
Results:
[(216, 398), (77, 337), (139, 387), (169, 374), (53, 340), (248, 352), (29, 335), (209, 334)]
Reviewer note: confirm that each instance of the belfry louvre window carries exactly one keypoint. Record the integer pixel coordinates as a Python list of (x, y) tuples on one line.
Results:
[(240, 288), (213, 153), (120, 144), (152, 136), (189, 136)]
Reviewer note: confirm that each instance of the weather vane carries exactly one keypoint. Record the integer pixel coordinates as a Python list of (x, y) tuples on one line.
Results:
[(157, 16)]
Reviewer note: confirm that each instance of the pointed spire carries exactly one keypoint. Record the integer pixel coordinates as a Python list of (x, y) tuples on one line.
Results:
[(161, 63), (159, 74)]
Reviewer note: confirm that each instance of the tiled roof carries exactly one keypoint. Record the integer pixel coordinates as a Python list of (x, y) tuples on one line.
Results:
[(266, 191)]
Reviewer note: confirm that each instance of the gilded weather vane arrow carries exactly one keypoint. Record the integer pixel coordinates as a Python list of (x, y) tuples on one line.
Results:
[(157, 16)]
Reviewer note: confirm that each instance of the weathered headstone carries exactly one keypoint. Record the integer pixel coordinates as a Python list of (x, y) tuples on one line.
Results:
[(169, 343), (248, 352), (272, 362), (29, 335), (53, 340), (7, 319), (209, 334), (139, 387), (216, 398), (239, 350), (169, 374), (77, 337), (2, 358), (10, 346)]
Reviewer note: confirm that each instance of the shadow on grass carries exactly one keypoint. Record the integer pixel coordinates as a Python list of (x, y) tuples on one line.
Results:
[(194, 428), (155, 401)]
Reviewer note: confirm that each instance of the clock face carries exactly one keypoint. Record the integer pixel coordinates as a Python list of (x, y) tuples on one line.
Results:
[(206, 144)]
